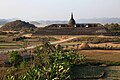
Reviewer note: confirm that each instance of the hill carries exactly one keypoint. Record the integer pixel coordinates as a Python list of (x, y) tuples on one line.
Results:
[(35, 23), (3, 21), (17, 26), (43, 23)]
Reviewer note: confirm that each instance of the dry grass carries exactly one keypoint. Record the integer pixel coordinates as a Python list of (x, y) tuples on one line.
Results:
[(102, 55), (104, 44)]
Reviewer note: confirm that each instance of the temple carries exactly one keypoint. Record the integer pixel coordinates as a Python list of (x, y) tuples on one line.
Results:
[(72, 28), (72, 23)]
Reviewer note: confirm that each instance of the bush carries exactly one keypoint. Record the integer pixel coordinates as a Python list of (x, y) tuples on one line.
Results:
[(23, 64), (15, 58), (19, 38), (50, 64)]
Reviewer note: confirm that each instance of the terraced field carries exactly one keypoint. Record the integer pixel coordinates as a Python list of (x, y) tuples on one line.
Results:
[(102, 55)]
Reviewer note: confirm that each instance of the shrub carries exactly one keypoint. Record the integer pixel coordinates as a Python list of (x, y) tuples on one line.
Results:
[(15, 58), (19, 38), (23, 64), (51, 64)]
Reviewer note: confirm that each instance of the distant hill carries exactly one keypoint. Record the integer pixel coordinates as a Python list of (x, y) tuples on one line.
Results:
[(3, 21), (17, 25), (35, 23), (99, 20), (53, 22), (43, 23)]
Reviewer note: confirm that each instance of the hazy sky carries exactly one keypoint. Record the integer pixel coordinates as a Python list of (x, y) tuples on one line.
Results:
[(58, 9)]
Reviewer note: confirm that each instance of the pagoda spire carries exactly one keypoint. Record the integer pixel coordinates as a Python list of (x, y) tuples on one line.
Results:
[(71, 22), (72, 15)]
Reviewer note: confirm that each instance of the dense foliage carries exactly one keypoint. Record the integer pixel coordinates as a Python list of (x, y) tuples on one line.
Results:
[(50, 63)]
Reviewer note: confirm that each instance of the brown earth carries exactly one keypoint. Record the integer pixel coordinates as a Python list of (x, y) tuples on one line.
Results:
[(102, 55)]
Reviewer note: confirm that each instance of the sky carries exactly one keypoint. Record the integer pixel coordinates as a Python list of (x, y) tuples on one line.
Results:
[(58, 9)]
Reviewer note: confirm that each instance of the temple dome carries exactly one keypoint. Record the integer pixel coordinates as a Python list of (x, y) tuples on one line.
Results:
[(71, 22)]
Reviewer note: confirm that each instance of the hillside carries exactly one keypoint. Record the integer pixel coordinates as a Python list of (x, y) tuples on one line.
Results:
[(17, 26)]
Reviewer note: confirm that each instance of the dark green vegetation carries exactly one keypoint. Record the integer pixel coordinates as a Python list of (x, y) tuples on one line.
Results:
[(19, 38), (87, 72), (14, 58), (48, 63)]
